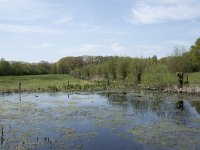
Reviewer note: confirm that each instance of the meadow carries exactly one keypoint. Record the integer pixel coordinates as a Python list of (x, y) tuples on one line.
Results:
[(35, 83), (59, 82)]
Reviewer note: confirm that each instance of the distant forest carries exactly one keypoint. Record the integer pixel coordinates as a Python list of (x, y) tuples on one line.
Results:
[(112, 67)]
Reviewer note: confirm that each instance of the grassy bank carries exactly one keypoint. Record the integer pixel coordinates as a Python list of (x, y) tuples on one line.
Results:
[(51, 83), (168, 82), (41, 83), (194, 78)]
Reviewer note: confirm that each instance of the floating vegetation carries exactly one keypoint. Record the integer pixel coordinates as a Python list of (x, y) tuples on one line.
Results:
[(78, 121), (112, 119), (73, 103), (166, 134), (72, 133)]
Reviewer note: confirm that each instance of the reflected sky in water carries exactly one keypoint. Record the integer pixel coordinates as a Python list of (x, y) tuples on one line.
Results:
[(99, 120)]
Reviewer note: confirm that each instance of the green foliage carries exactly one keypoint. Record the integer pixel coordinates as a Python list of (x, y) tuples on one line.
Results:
[(157, 75), (147, 71), (194, 78), (5, 68), (154, 59), (66, 64), (124, 67), (137, 68), (184, 61), (178, 61), (195, 55), (112, 67), (21, 68)]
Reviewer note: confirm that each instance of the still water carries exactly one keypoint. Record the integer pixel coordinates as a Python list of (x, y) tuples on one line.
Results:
[(131, 120)]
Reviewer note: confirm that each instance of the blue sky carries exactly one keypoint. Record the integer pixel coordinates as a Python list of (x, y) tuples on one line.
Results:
[(35, 30)]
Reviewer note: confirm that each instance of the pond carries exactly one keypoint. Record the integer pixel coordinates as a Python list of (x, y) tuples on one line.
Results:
[(103, 120)]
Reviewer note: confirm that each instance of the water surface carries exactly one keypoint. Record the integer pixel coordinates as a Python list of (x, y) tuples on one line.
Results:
[(107, 120)]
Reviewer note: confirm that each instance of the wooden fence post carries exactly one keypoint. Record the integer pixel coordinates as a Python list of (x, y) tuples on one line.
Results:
[(20, 87)]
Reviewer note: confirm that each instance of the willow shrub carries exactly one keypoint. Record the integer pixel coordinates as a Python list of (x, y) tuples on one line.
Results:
[(158, 76)]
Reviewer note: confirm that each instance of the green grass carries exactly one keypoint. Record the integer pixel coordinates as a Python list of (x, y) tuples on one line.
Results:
[(41, 83), (163, 80), (194, 78), (159, 80)]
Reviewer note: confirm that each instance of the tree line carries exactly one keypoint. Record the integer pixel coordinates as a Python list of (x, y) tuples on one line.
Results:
[(136, 69), (63, 66), (112, 67)]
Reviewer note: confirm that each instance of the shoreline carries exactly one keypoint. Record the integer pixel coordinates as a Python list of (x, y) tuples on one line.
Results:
[(185, 90)]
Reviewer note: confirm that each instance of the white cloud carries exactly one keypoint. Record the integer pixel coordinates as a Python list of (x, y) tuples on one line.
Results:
[(27, 29), (152, 11)]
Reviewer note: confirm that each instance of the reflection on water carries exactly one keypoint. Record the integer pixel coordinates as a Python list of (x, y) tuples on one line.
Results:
[(171, 106), (2, 135), (131, 120), (196, 105), (180, 105)]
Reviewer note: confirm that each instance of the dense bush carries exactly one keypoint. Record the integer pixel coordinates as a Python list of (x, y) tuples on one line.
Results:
[(157, 75)]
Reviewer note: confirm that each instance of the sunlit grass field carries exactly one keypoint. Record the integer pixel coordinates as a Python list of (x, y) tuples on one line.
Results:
[(194, 78), (42, 83)]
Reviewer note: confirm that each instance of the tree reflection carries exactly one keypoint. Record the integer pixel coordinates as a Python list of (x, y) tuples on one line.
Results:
[(196, 104), (162, 105), (180, 106), (117, 99)]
